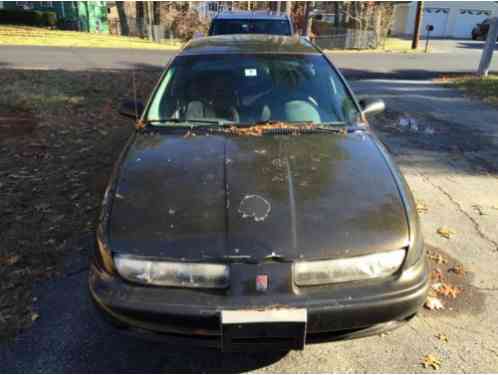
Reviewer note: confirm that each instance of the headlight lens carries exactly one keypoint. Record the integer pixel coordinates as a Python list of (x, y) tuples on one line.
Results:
[(348, 269), (189, 275)]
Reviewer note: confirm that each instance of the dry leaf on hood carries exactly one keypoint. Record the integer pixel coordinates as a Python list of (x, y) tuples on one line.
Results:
[(446, 232), (433, 303), (431, 360)]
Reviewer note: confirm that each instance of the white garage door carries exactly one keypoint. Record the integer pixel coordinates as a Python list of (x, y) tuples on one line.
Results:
[(466, 20), (437, 17)]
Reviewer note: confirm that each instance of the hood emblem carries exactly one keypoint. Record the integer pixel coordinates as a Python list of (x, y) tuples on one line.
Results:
[(262, 283)]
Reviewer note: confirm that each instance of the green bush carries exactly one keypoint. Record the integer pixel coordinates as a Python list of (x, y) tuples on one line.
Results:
[(49, 19), (27, 17)]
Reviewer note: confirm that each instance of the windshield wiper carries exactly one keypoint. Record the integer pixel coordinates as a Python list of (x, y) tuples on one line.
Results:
[(174, 122)]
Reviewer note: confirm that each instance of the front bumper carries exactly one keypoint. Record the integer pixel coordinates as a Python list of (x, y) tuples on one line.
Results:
[(187, 316)]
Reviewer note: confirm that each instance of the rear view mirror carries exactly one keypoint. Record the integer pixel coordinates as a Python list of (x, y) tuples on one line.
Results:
[(198, 34), (130, 108), (372, 106)]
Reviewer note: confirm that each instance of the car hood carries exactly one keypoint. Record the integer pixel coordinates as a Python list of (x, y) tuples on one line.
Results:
[(249, 198)]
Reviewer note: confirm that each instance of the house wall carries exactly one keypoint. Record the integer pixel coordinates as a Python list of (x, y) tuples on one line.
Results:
[(400, 18), (405, 15)]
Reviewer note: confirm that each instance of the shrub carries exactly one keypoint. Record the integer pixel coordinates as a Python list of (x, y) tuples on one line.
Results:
[(49, 19), (27, 17)]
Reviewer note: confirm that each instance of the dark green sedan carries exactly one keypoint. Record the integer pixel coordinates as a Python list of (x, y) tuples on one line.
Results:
[(254, 208)]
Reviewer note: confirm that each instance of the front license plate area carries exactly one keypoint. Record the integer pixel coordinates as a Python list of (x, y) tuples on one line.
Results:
[(275, 329)]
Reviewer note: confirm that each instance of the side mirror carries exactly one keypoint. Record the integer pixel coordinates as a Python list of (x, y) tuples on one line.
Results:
[(372, 106), (130, 108)]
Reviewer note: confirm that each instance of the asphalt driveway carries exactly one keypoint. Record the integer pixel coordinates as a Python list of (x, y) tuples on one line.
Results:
[(449, 155)]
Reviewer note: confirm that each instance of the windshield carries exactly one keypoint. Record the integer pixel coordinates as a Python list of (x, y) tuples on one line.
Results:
[(274, 27), (249, 89)]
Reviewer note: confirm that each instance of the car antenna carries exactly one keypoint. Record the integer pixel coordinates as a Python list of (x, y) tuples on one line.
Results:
[(134, 94)]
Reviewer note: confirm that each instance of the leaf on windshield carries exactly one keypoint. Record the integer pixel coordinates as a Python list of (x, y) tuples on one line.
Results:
[(139, 125), (259, 130)]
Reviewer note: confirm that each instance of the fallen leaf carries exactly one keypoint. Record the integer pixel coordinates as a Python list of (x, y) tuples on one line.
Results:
[(421, 208), (442, 337), (437, 274), (431, 360), (433, 303), (448, 290), (9, 260), (35, 316), (446, 232), (438, 258), (457, 269)]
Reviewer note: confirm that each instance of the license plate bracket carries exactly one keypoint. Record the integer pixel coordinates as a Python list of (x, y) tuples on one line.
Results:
[(274, 329)]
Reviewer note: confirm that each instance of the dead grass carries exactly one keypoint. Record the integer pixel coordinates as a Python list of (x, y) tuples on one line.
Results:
[(485, 89), (394, 45), (59, 137), (36, 36)]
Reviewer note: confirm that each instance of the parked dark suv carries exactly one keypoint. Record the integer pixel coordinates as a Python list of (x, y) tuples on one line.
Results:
[(251, 23), (480, 31)]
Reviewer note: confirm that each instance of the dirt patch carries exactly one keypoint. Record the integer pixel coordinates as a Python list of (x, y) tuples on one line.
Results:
[(451, 283), (59, 140)]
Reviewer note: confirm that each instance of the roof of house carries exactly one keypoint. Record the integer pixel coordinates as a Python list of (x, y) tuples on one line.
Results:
[(249, 43)]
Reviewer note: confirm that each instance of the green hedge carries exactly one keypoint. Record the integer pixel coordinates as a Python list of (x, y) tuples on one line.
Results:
[(27, 17)]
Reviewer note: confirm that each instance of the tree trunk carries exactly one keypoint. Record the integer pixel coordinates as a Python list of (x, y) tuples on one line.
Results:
[(123, 19)]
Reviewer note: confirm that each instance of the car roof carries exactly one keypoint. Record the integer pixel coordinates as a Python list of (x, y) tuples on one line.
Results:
[(249, 44), (258, 15)]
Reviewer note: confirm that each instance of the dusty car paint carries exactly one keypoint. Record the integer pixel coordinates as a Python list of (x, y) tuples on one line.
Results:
[(213, 196)]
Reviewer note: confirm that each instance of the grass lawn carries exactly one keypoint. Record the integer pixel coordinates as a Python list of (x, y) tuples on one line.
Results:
[(60, 135), (36, 36), (485, 89)]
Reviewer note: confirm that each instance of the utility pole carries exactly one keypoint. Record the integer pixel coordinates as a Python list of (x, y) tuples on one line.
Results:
[(418, 23), (487, 51), (279, 7)]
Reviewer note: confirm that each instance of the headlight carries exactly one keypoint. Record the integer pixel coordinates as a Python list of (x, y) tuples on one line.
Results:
[(189, 275), (348, 269)]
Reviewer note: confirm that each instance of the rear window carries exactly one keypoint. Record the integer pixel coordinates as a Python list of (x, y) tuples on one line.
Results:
[(274, 27)]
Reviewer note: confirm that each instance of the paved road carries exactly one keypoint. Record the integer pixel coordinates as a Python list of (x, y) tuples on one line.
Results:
[(452, 169), (452, 57)]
